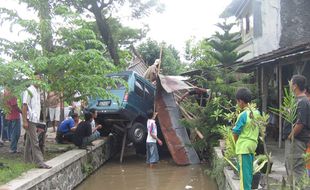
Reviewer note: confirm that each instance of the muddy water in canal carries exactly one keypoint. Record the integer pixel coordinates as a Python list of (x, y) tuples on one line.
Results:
[(134, 175)]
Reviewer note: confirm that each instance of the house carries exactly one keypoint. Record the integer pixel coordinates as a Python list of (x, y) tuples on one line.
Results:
[(268, 25), (277, 35)]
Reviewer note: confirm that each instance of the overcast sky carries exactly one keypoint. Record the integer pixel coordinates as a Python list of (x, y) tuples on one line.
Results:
[(185, 19), (180, 21)]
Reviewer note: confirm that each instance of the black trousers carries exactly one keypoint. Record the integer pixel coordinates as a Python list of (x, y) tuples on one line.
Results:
[(64, 137)]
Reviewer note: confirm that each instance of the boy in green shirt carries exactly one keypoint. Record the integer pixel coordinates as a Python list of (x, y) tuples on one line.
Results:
[(246, 138)]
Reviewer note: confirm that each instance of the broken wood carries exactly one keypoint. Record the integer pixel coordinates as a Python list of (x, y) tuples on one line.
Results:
[(188, 116)]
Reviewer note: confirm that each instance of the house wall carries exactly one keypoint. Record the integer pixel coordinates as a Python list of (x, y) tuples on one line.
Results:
[(270, 26), (295, 17), (266, 33)]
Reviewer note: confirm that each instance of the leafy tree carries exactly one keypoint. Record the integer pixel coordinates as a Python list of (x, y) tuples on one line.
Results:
[(149, 50), (70, 58), (103, 12), (225, 44), (171, 62), (199, 54), (126, 36), (214, 56)]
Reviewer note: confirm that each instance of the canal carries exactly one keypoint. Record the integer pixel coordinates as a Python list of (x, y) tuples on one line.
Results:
[(134, 174)]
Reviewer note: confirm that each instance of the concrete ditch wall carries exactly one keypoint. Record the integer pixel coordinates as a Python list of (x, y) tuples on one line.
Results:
[(224, 178), (68, 170)]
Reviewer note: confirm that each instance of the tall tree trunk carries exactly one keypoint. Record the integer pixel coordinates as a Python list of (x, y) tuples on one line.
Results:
[(106, 33), (46, 33)]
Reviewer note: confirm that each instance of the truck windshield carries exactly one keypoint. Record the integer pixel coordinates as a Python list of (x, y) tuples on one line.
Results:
[(120, 82)]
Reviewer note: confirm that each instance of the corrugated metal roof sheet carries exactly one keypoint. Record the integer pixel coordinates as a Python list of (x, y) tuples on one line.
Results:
[(173, 83)]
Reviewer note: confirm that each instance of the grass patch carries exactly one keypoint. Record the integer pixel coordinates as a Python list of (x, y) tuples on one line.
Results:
[(13, 165), (12, 168)]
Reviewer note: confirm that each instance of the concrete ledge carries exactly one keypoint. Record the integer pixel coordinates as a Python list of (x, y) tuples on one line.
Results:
[(278, 172), (229, 182), (68, 169)]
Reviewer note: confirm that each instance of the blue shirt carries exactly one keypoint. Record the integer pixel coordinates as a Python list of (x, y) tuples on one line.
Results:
[(240, 123), (66, 125)]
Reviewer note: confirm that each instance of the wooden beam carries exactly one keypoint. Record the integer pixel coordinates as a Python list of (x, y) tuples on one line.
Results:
[(279, 73), (123, 146), (264, 89)]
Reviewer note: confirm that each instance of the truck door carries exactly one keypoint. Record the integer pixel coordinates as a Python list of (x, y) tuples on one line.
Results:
[(149, 95), (138, 95)]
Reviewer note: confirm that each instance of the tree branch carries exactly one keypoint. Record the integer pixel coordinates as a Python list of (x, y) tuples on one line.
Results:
[(103, 5)]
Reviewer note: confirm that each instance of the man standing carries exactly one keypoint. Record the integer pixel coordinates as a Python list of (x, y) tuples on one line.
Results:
[(31, 116), (152, 72), (294, 161), (13, 120), (54, 109)]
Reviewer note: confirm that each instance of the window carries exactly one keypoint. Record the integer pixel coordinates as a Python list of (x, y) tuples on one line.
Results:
[(119, 82), (139, 88), (149, 93), (247, 23)]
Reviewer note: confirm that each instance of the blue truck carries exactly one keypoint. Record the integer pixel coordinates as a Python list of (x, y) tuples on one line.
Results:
[(127, 108)]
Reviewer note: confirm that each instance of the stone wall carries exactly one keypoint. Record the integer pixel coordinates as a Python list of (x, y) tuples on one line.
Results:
[(295, 16), (69, 169)]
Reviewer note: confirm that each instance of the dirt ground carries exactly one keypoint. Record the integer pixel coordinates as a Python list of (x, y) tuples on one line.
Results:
[(52, 149)]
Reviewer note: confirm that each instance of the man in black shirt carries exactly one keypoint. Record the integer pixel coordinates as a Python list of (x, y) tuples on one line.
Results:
[(83, 134), (301, 130)]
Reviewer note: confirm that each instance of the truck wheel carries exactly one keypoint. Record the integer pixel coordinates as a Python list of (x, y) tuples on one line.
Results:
[(137, 133)]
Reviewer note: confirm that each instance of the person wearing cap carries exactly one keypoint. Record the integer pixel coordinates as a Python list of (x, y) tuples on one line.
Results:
[(151, 73)]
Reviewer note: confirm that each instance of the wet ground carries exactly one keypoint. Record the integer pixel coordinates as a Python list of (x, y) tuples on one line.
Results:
[(134, 174)]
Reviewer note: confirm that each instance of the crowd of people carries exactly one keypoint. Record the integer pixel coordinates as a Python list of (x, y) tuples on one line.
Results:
[(29, 116), (71, 130)]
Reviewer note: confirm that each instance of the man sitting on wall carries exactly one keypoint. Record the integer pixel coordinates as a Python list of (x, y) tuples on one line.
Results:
[(66, 129), (84, 135)]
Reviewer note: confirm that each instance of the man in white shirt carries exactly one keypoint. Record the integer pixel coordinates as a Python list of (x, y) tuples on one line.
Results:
[(31, 116)]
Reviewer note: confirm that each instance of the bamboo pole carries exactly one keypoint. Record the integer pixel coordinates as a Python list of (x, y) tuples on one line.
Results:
[(160, 57), (158, 70)]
